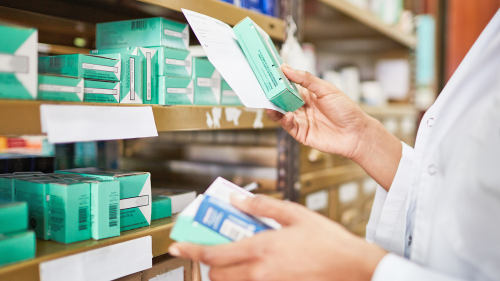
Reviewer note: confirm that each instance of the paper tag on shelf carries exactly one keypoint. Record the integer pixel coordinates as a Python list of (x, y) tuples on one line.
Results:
[(106, 263), (78, 123)]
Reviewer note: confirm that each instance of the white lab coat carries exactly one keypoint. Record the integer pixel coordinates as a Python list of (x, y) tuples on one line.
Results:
[(441, 216)]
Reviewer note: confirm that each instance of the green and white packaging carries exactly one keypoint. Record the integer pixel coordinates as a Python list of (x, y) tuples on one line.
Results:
[(17, 246), (18, 62), (228, 96), (149, 67), (180, 198), (36, 191), (161, 207), (69, 207), (7, 186), (207, 82), (173, 62), (266, 65), (131, 77), (175, 90), (104, 208), (142, 32), (80, 65), (60, 88), (101, 91), (135, 194), (13, 216)]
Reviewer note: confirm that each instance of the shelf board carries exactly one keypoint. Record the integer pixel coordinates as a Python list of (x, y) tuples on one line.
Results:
[(18, 117), (372, 21), (227, 13), (159, 230)]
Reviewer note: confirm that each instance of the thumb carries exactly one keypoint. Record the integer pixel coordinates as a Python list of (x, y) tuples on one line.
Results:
[(314, 84), (284, 212)]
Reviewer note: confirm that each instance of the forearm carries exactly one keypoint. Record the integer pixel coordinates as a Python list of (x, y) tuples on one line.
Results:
[(378, 152)]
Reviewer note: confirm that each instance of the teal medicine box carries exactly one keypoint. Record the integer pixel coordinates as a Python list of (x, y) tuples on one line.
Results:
[(36, 191), (173, 62), (131, 77), (149, 69), (266, 65), (60, 88), (175, 90), (101, 91), (69, 207), (13, 216), (142, 32), (161, 207), (228, 96), (135, 194), (80, 65), (207, 82), (18, 62), (104, 208), (17, 246), (7, 185)]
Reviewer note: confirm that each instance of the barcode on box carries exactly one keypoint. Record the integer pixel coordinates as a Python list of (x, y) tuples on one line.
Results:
[(55, 61), (234, 231), (83, 218), (113, 215), (139, 24)]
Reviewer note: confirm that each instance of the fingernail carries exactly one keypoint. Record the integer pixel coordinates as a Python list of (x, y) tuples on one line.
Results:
[(174, 251), (287, 66), (238, 197)]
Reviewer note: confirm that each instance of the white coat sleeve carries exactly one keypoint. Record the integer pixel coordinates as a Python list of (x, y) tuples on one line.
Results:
[(395, 268), (387, 224)]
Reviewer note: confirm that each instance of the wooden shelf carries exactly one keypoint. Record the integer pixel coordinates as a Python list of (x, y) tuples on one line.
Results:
[(342, 29), (227, 13), (159, 230), (18, 117)]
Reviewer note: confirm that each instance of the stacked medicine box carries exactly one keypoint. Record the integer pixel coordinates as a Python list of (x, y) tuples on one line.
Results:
[(171, 76)]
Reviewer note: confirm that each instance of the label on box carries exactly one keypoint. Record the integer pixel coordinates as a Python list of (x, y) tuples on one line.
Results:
[(100, 67), (134, 202), (58, 88), (132, 78), (207, 82), (186, 91), (175, 33), (227, 220), (229, 93), (14, 64), (178, 62), (101, 91)]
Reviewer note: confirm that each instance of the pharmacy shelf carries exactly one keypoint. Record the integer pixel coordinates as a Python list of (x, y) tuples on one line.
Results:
[(226, 12), (19, 117), (372, 21), (159, 230)]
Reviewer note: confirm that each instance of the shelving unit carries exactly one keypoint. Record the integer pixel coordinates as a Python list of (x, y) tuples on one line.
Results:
[(159, 230), (23, 117)]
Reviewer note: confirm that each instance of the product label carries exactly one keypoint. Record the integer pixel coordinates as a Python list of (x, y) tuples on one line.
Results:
[(134, 202), (59, 88), (132, 79), (229, 93), (15, 64), (207, 82), (148, 76), (175, 33), (100, 67), (100, 91), (178, 62), (186, 91)]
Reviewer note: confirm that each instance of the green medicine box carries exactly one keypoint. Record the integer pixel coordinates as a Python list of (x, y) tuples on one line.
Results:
[(7, 186), (135, 194), (149, 69), (60, 88), (207, 82), (142, 32), (104, 208), (18, 62), (13, 216), (228, 96), (161, 207), (101, 91), (175, 90), (131, 77), (36, 192), (80, 65), (266, 65), (19, 246), (172, 62), (69, 207)]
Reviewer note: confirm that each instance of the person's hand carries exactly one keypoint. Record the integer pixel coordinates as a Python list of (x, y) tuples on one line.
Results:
[(329, 120), (308, 247)]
